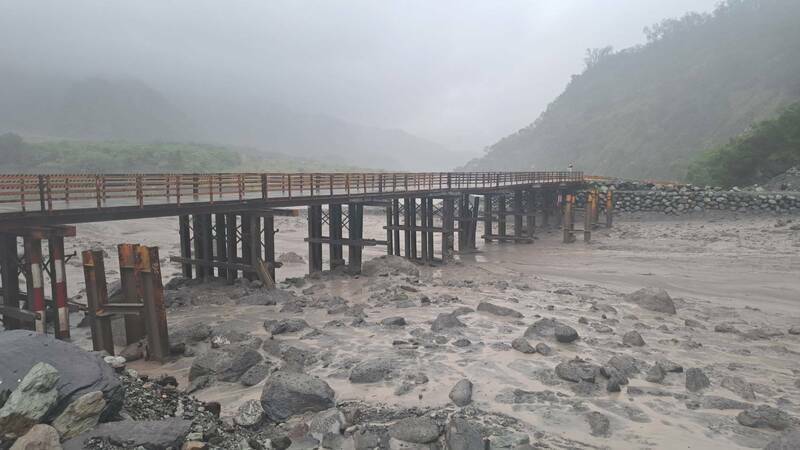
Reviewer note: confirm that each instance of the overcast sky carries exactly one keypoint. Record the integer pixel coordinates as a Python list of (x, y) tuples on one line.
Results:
[(462, 73)]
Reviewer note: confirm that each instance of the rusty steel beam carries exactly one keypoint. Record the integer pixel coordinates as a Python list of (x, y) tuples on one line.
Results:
[(58, 286), (155, 314), (131, 281), (96, 299)]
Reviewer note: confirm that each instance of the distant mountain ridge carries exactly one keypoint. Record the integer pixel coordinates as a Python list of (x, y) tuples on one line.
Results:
[(109, 109), (645, 112)]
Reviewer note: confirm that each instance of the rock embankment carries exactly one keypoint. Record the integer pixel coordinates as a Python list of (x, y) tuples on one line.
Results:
[(681, 199)]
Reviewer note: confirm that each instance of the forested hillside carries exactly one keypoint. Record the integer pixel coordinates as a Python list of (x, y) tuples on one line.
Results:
[(19, 156), (645, 112), (765, 150)]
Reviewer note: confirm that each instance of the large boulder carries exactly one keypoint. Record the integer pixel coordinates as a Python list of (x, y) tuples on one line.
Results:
[(416, 430), (764, 416), (565, 333), (31, 400), (287, 394), (225, 364), (39, 437), (696, 380), (462, 434), (446, 321), (80, 372), (373, 370), (81, 415), (652, 299), (150, 434), (461, 394), (498, 310), (389, 265), (249, 414), (577, 370)]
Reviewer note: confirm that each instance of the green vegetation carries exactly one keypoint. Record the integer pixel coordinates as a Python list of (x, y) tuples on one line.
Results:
[(765, 150), (16, 155), (647, 111)]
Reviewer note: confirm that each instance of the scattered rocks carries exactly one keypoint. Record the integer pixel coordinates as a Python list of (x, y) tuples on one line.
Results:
[(625, 364), (461, 394), (31, 401), (255, 374), (498, 310), (794, 330), (764, 416), (522, 345), (652, 299), (287, 394), (633, 338), (330, 421), (445, 321), (541, 328), (462, 342), (39, 437), (599, 424), (417, 430), (290, 258), (250, 414), (696, 380), (565, 333), (669, 366), (81, 415)]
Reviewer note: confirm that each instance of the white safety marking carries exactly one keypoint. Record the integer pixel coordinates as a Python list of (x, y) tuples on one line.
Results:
[(59, 270), (36, 272), (63, 318)]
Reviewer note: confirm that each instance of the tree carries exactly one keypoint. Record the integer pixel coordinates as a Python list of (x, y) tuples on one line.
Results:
[(595, 55)]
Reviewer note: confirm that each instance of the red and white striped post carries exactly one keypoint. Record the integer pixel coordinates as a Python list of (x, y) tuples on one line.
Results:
[(59, 285), (33, 256)]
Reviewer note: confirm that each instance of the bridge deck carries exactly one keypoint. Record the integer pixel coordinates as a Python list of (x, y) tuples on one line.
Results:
[(76, 198)]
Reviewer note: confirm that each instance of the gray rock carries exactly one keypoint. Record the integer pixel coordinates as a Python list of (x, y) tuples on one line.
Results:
[(260, 299), (330, 421), (652, 299), (565, 333), (226, 364), (725, 328), (543, 349), (461, 394), (692, 323), (133, 352), (250, 414), (522, 345), (794, 330), (462, 342), (764, 416), (762, 333), (576, 370), (367, 440), (81, 415), (613, 385), (498, 310), (277, 327), (599, 424), (255, 374), (150, 434), (191, 333), (787, 441), (669, 366), (31, 401), (656, 374), (696, 380), (394, 321), (287, 394), (39, 437), (80, 372), (373, 370), (541, 328), (740, 387), (633, 338), (461, 434), (417, 430), (445, 322), (625, 364)]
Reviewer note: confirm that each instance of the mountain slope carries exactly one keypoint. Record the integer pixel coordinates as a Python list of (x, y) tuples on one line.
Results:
[(99, 109), (645, 112)]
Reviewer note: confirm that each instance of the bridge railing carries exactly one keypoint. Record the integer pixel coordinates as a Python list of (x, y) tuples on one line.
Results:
[(42, 193)]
